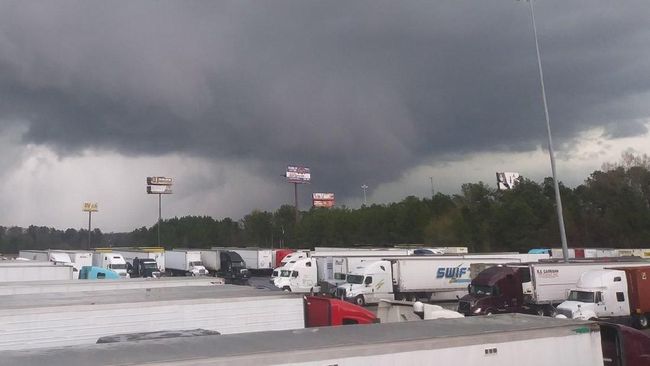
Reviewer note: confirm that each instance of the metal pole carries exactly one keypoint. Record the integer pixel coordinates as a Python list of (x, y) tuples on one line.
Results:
[(159, 215), (558, 200), (364, 187), (295, 196), (90, 213), (432, 191)]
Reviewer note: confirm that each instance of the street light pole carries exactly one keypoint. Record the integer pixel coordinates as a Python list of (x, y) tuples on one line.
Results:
[(433, 193), (558, 199)]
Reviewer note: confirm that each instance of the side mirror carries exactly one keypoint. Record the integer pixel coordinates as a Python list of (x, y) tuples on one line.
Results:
[(368, 281)]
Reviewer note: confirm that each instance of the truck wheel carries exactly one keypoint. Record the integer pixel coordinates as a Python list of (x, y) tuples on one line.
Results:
[(489, 312), (641, 321), (540, 312), (359, 300), (286, 288)]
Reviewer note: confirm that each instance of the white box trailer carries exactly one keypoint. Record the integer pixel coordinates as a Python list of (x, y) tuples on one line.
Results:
[(67, 319), (504, 340), (255, 258), (79, 258), (157, 254), (46, 255), (65, 286), (19, 271), (182, 262)]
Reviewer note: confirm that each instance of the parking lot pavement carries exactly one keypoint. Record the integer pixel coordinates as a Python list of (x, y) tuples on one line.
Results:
[(262, 282)]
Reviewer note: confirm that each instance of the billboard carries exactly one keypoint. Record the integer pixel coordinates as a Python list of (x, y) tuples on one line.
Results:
[(89, 207), (159, 190), (298, 174), (323, 200), (159, 185), (507, 180), (159, 181)]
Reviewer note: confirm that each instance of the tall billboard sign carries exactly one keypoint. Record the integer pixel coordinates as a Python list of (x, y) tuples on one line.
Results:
[(298, 174), (323, 200), (159, 185), (507, 180)]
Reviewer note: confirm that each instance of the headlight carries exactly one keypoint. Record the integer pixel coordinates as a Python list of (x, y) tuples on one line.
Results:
[(477, 310)]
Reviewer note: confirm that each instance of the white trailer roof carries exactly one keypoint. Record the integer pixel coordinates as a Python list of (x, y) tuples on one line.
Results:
[(34, 287), (311, 344), (37, 302)]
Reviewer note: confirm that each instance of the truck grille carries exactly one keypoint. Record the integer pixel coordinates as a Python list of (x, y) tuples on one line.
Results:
[(464, 307), (340, 293)]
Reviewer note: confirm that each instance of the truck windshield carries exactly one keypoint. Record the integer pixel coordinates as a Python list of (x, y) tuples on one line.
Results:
[(196, 263), (285, 273), (117, 266), (582, 296), (150, 265), (339, 276), (355, 279), (481, 290)]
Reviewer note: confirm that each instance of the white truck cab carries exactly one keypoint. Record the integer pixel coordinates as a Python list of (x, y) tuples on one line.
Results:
[(113, 261), (368, 283), (299, 276), (599, 294), (292, 257)]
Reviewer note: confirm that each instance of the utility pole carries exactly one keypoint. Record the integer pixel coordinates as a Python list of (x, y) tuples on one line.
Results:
[(432, 191), (364, 187)]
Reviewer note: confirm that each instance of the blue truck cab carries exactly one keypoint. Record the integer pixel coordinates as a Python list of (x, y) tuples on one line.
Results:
[(97, 273)]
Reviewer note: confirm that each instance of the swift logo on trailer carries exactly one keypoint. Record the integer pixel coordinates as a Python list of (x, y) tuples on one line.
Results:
[(453, 273)]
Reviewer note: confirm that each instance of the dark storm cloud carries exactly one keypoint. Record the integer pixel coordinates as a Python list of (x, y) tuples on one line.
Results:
[(358, 90)]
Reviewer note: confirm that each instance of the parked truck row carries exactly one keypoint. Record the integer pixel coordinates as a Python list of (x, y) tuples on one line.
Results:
[(530, 287)]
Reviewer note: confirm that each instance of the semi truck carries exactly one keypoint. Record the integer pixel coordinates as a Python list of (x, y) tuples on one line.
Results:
[(110, 260), (617, 294), (180, 262), (256, 259), (97, 273), (155, 253), (507, 340), (535, 288), (412, 278), (35, 321), (24, 271), (226, 264), (143, 267)]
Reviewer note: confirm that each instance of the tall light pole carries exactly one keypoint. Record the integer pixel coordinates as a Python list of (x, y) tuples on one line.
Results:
[(432, 191), (364, 187), (556, 184)]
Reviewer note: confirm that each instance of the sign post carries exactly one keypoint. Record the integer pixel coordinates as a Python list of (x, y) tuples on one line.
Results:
[(297, 175), (159, 186), (89, 207)]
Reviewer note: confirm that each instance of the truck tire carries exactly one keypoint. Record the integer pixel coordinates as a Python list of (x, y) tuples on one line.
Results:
[(641, 321), (286, 288), (359, 300)]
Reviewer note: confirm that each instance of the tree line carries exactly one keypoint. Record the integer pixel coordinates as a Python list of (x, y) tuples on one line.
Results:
[(610, 209)]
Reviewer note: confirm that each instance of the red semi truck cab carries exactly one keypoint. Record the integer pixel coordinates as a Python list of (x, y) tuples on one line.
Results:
[(325, 311)]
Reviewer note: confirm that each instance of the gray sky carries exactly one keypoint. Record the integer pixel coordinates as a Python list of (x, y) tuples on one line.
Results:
[(222, 95)]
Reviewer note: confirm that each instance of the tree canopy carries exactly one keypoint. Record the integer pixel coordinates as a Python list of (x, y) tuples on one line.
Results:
[(611, 209)]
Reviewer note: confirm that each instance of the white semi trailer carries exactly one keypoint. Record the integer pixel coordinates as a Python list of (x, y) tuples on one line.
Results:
[(81, 318), (504, 340), (256, 259), (65, 286), (21, 271)]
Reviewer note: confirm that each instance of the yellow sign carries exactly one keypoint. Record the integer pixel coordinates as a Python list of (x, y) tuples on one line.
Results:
[(89, 207)]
